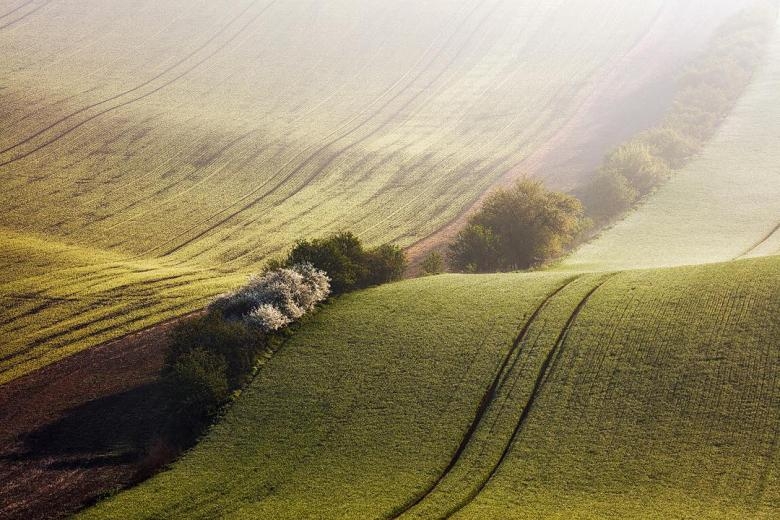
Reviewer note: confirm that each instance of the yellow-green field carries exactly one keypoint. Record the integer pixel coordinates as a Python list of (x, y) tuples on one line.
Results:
[(643, 394), (724, 205), (59, 299), (180, 144)]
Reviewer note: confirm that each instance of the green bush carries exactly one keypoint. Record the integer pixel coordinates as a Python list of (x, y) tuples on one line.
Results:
[(476, 249), (340, 255), (348, 264), (674, 147), (199, 384), (433, 264), (516, 228), (634, 162), (609, 194), (384, 264), (236, 344)]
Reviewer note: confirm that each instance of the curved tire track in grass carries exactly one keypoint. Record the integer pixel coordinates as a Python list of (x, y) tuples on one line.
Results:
[(548, 367), (485, 402), (12, 11)]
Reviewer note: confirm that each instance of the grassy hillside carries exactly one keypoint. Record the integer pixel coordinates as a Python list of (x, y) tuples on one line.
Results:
[(211, 135), (724, 205), (645, 393), (59, 299)]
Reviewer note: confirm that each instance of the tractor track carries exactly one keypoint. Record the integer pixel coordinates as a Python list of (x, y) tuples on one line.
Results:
[(323, 147), (548, 367), (165, 84), (485, 402), (760, 242)]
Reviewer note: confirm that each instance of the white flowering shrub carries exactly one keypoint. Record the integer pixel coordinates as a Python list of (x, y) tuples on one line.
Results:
[(275, 299), (268, 318)]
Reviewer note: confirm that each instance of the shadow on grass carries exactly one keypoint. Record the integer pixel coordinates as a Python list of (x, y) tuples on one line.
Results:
[(113, 430)]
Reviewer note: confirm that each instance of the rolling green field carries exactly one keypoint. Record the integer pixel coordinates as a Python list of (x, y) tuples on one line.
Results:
[(652, 394), (195, 140), (59, 299), (724, 205)]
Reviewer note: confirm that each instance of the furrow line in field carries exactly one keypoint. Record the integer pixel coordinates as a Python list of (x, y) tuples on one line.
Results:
[(426, 91), (646, 339), (487, 399), (137, 87), (433, 187), (176, 309), (547, 369), (330, 140), (590, 373), (303, 115), (25, 15), (12, 11), (178, 281), (165, 84)]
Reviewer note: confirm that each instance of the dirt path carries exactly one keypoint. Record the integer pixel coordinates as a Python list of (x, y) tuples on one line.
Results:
[(69, 433)]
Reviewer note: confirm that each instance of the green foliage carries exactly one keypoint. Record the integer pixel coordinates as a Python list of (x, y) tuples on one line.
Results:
[(635, 163), (348, 264), (198, 384), (340, 255), (433, 264), (475, 249), (208, 357), (384, 264), (236, 344), (608, 194), (671, 145), (517, 228)]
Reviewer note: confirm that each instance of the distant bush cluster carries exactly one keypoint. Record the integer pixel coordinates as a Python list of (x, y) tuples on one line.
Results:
[(706, 92), (517, 228)]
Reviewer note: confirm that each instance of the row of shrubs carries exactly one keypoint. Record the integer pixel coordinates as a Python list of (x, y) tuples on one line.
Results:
[(526, 225), (212, 356), (707, 91)]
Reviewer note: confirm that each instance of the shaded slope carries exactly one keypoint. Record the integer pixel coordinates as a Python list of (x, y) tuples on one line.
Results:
[(648, 393)]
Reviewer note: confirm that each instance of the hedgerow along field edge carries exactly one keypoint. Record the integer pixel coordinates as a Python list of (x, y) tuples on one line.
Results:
[(724, 205)]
